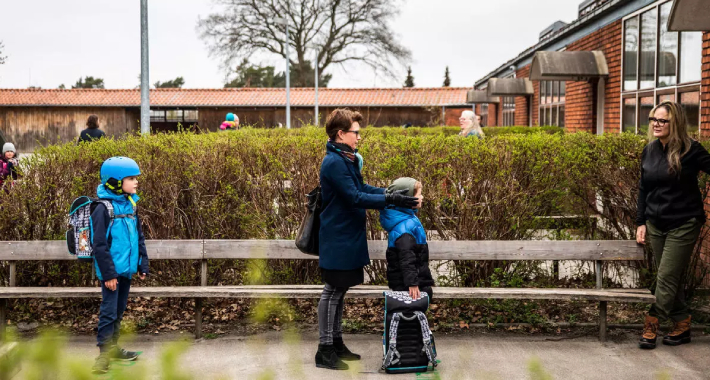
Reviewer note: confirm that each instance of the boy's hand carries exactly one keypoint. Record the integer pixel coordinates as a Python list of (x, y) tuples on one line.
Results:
[(414, 292), (111, 284), (142, 276)]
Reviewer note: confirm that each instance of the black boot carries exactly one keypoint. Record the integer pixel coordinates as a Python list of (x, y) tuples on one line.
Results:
[(327, 358), (342, 351)]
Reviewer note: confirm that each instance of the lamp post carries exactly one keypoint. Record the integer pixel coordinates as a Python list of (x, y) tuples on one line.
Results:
[(315, 65), (284, 21), (145, 86)]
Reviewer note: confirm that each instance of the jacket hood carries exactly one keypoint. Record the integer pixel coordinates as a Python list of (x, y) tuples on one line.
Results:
[(392, 216), (104, 193)]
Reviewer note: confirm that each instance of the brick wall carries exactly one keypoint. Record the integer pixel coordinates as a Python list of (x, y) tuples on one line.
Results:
[(536, 103), (705, 87), (579, 109), (493, 115), (521, 102)]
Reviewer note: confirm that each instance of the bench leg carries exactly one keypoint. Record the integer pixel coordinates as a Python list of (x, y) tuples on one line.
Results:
[(602, 321), (198, 318)]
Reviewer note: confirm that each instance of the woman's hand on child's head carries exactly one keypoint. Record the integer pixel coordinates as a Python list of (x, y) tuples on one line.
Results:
[(111, 284), (414, 292)]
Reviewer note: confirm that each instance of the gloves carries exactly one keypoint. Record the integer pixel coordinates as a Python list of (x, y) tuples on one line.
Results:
[(399, 199)]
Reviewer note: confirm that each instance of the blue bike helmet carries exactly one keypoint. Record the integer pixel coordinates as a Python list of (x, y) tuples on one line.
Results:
[(115, 169)]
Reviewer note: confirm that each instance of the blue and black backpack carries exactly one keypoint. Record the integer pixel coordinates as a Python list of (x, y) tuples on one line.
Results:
[(79, 235)]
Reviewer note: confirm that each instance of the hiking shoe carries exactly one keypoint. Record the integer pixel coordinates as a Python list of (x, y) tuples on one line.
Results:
[(650, 333), (102, 363), (342, 350), (327, 358), (118, 353), (679, 335)]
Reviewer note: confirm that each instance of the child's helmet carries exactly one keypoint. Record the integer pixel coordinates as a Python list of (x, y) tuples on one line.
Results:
[(230, 117), (115, 169)]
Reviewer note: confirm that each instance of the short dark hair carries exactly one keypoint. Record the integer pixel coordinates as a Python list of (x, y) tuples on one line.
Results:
[(341, 119), (92, 122)]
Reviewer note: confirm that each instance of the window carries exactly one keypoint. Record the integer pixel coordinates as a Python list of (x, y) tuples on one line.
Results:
[(667, 50), (157, 115), (190, 116), (552, 103), (484, 115), (691, 103), (629, 115), (631, 45), (647, 67), (508, 111), (659, 65)]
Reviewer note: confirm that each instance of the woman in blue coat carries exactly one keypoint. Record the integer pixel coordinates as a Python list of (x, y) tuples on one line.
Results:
[(342, 239)]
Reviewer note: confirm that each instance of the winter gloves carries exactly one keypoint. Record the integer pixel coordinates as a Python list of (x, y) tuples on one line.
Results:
[(399, 199)]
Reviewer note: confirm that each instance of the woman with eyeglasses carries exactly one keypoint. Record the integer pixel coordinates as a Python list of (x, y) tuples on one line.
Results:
[(670, 216), (342, 242)]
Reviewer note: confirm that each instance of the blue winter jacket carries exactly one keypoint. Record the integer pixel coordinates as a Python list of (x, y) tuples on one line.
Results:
[(407, 249), (345, 197), (119, 246)]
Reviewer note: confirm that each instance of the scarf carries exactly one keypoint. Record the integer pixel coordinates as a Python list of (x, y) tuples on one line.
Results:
[(344, 150)]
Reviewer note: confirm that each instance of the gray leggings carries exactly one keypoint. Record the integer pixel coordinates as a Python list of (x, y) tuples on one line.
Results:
[(330, 313)]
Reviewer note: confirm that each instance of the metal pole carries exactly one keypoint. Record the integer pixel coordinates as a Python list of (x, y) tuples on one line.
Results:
[(145, 86), (316, 66), (288, 78)]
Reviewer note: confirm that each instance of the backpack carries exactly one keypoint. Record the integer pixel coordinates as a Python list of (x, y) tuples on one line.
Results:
[(78, 236), (407, 342)]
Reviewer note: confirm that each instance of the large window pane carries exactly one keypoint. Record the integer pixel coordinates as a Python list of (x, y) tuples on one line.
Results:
[(556, 92), (645, 108), (543, 92), (563, 91), (691, 104), (668, 53), (631, 44), (553, 115), (562, 115), (629, 116), (691, 49), (549, 91), (647, 74)]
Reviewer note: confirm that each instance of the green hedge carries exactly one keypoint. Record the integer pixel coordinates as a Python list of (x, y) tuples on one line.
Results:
[(252, 184)]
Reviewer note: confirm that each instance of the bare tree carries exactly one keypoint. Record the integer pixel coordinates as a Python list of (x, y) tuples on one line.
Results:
[(342, 31)]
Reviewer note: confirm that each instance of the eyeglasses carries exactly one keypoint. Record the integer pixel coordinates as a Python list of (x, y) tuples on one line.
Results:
[(357, 133), (657, 120)]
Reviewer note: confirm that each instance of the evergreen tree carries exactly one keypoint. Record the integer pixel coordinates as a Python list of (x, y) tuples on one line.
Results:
[(409, 82)]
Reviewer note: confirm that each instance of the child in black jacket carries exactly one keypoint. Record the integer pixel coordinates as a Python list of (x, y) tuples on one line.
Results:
[(407, 248)]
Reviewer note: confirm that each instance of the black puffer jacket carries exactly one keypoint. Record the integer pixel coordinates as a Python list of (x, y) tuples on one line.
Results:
[(407, 250)]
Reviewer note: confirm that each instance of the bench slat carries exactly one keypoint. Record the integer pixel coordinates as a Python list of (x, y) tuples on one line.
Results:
[(606, 250), (314, 291)]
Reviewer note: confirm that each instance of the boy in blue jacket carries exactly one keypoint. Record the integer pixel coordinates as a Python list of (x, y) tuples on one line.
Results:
[(119, 253), (407, 248)]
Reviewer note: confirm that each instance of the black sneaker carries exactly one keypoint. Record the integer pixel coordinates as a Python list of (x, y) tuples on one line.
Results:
[(102, 363), (343, 352), (327, 358), (118, 353)]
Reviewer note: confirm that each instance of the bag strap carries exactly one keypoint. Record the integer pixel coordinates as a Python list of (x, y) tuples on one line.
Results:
[(109, 207), (392, 357), (426, 337)]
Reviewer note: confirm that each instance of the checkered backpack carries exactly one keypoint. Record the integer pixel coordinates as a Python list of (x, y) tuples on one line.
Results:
[(79, 241)]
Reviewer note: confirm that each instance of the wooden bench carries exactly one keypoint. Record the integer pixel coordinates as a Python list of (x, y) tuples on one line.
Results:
[(204, 250)]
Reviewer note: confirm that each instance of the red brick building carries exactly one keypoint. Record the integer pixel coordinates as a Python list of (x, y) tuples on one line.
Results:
[(642, 64), (32, 117)]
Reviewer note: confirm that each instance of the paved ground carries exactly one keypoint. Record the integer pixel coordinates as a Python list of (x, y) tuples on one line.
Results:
[(280, 355)]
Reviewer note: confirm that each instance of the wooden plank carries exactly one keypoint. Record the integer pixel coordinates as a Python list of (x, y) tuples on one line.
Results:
[(314, 291), (446, 250), (285, 249), (57, 250)]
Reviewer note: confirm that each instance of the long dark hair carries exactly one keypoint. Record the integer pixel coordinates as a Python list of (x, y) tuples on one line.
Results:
[(92, 122)]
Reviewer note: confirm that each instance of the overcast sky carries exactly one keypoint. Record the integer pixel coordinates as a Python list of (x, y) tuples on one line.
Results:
[(53, 42)]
